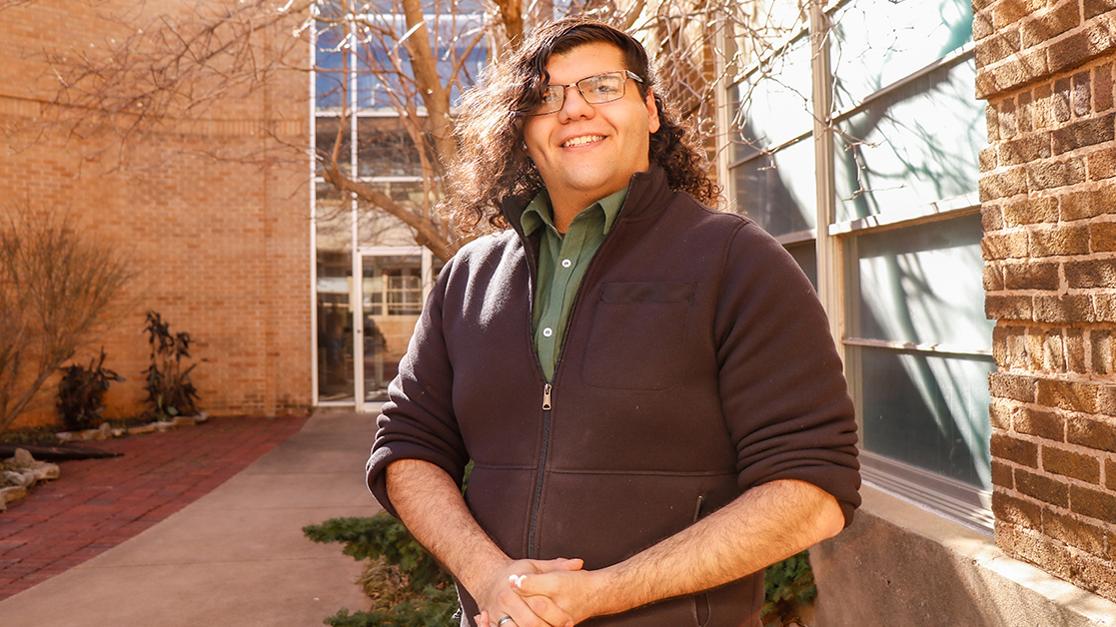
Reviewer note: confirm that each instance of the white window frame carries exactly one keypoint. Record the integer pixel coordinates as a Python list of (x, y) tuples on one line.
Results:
[(834, 243)]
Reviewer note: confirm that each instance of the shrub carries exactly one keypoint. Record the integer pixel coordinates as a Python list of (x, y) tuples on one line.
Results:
[(786, 585), (169, 389), (407, 586), (81, 393), (57, 288)]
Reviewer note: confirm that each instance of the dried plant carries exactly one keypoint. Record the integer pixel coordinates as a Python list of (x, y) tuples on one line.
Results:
[(56, 288)]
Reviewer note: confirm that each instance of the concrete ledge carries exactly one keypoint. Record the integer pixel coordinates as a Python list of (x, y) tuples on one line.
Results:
[(901, 564)]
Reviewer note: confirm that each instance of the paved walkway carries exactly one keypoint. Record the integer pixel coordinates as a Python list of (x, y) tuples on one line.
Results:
[(210, 549)]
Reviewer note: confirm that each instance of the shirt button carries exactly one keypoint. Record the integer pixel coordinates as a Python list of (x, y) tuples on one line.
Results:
[(547, 332), (566, 263)]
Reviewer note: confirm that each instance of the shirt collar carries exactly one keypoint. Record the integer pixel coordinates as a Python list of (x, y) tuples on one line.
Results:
[(539, 212)]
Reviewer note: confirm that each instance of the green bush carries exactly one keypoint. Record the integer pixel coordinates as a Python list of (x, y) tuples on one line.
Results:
[(407, 586), (787, 584)]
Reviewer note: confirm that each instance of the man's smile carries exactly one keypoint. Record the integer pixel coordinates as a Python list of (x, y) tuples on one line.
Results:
[(582, 140)]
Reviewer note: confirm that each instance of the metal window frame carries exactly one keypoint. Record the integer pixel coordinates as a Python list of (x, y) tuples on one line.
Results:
[(836, 241), (358, 252)]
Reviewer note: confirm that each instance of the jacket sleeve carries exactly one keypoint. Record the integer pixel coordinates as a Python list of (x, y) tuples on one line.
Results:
[(783, 394), (417, 422)]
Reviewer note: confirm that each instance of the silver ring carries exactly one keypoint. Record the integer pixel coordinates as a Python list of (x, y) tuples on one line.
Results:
[(505, 619)]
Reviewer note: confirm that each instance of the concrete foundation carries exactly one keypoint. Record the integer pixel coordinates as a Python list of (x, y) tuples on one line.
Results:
[(900, 564)]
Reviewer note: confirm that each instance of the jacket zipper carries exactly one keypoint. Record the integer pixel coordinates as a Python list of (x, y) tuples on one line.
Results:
[(548, 388)]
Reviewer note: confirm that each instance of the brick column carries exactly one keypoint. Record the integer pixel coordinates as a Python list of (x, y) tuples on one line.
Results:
[(1049, 214)]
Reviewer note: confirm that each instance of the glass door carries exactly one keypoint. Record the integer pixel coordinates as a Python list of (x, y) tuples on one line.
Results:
[(391, 300)]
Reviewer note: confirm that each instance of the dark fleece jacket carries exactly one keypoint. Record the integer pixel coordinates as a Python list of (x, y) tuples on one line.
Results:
[(697, 364)]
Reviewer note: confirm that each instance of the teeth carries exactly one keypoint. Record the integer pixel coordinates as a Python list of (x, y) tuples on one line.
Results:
[(584, 139)]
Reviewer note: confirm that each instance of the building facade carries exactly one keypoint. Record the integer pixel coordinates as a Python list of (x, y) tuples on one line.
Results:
[(209, 210)]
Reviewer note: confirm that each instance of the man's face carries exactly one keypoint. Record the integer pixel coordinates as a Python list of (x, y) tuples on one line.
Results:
[(618, 132)]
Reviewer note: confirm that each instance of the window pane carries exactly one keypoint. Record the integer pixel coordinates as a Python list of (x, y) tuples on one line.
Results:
[(927, 411), (921, 284), (877, 42), (379, 228), (334, 278), (913, 147), (325, 136), (775, 104), (328, 61), (384, 148), (778, 191), (392, 288), (806, 255)]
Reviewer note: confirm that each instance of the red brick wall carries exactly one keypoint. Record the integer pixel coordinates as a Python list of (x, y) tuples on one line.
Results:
[(1049, 209), (221, 248)]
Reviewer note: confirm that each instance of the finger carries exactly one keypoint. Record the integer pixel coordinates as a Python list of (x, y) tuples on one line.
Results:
[(522, 614), (549, 611), (560, 563)]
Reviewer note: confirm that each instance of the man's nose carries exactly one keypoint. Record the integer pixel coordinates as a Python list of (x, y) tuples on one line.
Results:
[(574, 107)]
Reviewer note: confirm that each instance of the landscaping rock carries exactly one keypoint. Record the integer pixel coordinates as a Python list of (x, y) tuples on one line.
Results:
[(201, 417), (19, 479), (150, 428), (163, 425), (14, 493), (116, 433), (44, 471), (22, 458), (184, 421), (66, 436)]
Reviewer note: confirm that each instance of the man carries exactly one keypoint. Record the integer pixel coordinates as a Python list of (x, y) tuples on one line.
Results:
[(647, 388)]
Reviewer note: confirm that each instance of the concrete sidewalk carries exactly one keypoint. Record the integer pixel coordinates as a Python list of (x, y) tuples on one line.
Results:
[(236, 556)]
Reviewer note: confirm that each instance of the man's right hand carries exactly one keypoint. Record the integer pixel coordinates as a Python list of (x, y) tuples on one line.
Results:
[(497, 599)]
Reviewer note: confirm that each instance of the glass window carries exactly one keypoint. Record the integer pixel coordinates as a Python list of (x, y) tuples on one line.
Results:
[(806, 256), (921, 284), (325, 136), (912, 147), (333, 220), (875, 43), (380, 228), (385, 148), (774, 104), (329, 77), (779, 191), (927, 410)]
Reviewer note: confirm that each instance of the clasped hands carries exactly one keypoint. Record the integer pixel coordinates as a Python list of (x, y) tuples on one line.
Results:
[(540, 593)]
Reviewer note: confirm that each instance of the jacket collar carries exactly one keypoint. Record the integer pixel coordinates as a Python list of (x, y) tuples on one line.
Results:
[(646, 191)]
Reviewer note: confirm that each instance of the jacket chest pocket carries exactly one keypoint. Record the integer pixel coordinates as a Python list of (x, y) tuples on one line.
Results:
[(638, 338)]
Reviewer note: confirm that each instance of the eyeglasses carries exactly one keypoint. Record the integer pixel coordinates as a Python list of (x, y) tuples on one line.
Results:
[(596, 89)]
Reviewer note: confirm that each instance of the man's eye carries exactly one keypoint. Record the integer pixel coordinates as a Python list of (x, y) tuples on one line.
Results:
[(604, 88)]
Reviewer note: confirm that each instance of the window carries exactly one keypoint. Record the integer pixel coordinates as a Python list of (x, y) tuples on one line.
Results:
[(355, 103), (885, 206)]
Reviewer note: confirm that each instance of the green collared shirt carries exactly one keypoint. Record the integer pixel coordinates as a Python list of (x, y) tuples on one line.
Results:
[(563, 260)]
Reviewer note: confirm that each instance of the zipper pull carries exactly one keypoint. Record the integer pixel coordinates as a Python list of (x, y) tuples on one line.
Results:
[(546, 396)]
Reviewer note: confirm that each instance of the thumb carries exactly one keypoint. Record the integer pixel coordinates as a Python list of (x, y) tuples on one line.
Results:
[(531, 585)]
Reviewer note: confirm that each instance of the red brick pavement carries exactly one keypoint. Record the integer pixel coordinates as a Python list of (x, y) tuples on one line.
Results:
[(98, 504)]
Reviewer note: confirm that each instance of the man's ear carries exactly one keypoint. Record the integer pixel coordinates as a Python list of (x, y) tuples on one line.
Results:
[(652, 112)]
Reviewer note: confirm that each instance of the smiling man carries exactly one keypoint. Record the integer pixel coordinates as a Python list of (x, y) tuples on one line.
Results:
[(647, 388)]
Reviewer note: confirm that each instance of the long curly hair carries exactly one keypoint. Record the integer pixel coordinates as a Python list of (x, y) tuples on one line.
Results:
[(492, 163)]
